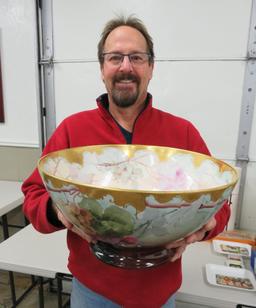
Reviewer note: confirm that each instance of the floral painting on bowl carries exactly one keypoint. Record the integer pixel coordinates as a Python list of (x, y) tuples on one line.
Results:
[(134, 196)]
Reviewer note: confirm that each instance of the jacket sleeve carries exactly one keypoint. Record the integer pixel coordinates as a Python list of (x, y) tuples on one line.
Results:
[(197, 144), (37, 200), (222, 217)]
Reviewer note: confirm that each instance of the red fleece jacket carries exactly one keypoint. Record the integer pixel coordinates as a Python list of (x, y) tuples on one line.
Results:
[(131, 288)]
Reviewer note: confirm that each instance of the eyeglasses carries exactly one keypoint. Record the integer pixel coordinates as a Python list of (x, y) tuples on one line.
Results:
[(116, 59)]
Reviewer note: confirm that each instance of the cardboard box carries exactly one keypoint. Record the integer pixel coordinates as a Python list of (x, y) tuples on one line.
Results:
[(241, 236)]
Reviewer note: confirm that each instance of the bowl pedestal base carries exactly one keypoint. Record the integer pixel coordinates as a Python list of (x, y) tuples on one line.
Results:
[(131, 257)]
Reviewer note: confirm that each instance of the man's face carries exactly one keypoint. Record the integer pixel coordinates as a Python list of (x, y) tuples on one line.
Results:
[(126, 83)]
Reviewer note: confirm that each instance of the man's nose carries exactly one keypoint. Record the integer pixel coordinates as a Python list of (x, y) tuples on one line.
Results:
[(126, 64)]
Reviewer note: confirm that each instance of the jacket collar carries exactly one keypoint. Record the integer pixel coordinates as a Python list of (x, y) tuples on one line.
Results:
[(103, 105)]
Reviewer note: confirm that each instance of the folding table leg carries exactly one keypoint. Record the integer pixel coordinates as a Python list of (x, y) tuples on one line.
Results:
[(60, 278), (11, 276), (5, 226), (41, 292), (59, 290), (12, 286)]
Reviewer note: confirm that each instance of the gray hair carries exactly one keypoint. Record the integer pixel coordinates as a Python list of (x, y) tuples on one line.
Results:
[(129, 21)]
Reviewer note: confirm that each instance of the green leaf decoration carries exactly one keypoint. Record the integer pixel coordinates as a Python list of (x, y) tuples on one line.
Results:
[(113, 229), (115, 222), (111, 222), (117, 214), (92, 206)]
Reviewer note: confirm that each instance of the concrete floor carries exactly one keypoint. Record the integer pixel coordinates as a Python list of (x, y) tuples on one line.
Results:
[(23, 281)]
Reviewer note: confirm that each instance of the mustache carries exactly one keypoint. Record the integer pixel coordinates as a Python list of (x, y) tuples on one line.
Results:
[(125, 76)]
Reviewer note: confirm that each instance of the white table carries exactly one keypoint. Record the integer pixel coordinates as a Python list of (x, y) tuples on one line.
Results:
[(195, 288), (31, 252), (37, 254), (11, 197), (46, 255)]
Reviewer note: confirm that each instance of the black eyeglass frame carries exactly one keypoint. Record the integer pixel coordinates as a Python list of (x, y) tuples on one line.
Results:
[(128, 55)]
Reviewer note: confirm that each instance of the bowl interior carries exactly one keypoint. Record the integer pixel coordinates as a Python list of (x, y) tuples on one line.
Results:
[(140, 168)]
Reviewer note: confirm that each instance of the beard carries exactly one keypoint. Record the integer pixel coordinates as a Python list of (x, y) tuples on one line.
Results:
[(125, 97)]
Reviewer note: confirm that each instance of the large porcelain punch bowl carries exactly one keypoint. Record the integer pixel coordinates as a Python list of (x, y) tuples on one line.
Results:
[(135, 196)]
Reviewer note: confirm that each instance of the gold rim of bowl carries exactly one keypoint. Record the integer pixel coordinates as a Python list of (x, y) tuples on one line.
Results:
[(132, 148)]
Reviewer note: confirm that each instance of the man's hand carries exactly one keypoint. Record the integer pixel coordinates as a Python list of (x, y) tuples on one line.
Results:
[(70, 226), (180, 246), (200, 234)]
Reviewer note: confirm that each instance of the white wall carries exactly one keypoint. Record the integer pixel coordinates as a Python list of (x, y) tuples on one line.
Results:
[(180, 28), (200, 47), (205, 92), (19, 73), (248, 215)]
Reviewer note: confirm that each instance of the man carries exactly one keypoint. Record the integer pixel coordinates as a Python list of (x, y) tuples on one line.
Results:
[(124, 115)]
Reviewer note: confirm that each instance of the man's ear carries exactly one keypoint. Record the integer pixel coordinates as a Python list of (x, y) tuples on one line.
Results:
[(102, 74), (152, 69)]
